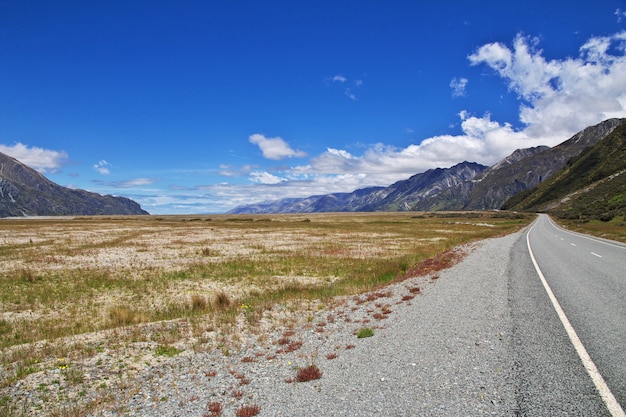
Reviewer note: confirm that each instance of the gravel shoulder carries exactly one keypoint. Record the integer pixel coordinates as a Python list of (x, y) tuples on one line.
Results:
[(443, 352)]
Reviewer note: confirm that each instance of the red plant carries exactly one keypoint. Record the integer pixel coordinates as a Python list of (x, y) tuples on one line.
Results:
[(248, 411), (248, 359), (210, 373), (408, 297), (331, 356), (308, 374), (215, 409), (350, 346), (415, 290), (283, 341), (238, 394), (293, 346)]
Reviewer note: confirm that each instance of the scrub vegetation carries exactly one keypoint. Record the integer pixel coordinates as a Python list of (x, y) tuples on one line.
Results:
[(81, 288)]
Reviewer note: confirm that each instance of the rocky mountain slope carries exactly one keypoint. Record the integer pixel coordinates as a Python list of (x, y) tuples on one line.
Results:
[(592, 185), (466, 186), (402, 195), (25, 192)]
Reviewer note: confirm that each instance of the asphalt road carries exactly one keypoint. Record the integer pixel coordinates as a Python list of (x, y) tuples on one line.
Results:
[(588, 279)]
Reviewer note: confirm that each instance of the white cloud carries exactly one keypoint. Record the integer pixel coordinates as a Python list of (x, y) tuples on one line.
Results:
[(350, 94), (42, 160), (561, 97), (264, 178), (136, 182), (620, 15), (275, 148), (458, 86), (102, 167), (558, 98)]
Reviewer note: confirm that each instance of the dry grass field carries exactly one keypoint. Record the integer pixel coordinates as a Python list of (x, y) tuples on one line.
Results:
[(72, 288)]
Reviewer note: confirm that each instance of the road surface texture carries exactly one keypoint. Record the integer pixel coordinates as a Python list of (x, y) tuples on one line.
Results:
[(484, 339), (588, 278)]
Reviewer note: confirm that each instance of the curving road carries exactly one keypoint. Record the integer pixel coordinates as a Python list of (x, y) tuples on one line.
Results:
[(587, 277), (484, 339)]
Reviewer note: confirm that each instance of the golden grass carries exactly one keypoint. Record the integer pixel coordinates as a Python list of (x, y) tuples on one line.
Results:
[(63, 277), (614, 229)]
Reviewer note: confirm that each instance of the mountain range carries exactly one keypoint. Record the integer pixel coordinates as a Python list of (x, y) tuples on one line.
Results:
[(465, 186), (25, 192), (592, 185)]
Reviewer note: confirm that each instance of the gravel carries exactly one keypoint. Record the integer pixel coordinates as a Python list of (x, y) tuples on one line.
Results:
[(442, 353)]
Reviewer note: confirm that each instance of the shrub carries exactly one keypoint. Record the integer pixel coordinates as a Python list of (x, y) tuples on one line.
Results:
[(308, 374), (198, 303), (365, 332), (215, 409), (248, 411), (167, 350), (221, 301), (124, 316)]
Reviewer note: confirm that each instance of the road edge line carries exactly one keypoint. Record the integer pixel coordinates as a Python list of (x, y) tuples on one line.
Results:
[(607, 396)]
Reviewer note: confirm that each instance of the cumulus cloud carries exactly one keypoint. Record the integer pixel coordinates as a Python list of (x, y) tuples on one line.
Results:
[(557, 98), (458, 86), (265, 178), (102, 167), (560, 97), (42, 160), (275, 148)]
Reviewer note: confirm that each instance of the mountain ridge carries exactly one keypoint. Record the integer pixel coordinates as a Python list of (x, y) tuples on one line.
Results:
[(591, 185), (26, 192), (483, 188)]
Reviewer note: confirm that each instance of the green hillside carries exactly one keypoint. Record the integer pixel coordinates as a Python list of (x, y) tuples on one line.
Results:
[(590, 186)]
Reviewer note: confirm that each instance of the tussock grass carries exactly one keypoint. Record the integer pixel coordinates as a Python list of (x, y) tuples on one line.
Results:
[(67, 277)]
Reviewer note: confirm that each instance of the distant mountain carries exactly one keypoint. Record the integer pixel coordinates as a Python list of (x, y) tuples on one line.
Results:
[(25, 192), (592, 185), (402, 195), (497, 185), (466, 186)]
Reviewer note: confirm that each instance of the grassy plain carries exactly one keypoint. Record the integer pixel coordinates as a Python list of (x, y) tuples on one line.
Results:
[(64, 281)]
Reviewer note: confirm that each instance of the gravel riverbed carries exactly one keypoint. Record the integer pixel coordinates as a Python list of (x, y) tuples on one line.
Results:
[(442, 353), (441, 346)]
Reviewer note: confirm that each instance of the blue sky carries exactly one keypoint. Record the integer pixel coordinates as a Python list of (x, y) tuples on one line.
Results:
[(199, 106)]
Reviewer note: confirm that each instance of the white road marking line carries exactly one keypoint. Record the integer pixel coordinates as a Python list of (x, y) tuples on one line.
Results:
[(595, 254), (573, 244), (607, 396), (557, 227)]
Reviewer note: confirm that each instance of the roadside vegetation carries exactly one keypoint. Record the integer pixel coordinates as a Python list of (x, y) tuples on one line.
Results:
[(72, 289), (614, 229)]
